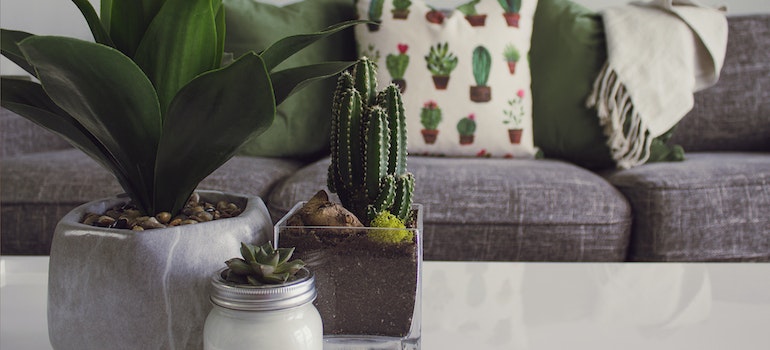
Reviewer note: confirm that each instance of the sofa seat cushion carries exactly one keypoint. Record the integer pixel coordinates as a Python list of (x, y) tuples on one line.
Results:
[(38, 189), (711, 207), (500, 209)]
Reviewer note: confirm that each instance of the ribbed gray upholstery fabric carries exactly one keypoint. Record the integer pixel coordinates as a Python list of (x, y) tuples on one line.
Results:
[(500, 209), (734, 114), (711, 207), (19, 136), (38, 189)]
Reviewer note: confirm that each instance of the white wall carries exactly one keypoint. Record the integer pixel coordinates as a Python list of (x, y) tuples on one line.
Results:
[(61, 17)]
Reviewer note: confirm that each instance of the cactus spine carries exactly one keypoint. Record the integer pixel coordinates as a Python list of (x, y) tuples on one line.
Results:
[(368, 169), (482, 62)]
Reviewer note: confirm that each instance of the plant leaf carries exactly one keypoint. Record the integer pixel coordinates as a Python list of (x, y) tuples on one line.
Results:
[(288, 46), (28, 99), (100, 34), (128, 20), (109, 96), (288, 81), (180, 43), (221, 32), (9, 41), (208, 120)]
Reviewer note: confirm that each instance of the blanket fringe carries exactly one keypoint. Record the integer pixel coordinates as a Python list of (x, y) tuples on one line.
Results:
[(627, 134)]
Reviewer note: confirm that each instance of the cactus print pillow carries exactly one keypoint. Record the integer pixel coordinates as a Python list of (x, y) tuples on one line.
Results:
[(462, 69)]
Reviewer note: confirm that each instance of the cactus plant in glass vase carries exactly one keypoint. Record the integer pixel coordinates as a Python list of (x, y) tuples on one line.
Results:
[(374, 235), (155, 102)]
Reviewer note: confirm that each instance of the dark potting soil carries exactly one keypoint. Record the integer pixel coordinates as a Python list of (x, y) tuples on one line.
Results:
[(364, 287)]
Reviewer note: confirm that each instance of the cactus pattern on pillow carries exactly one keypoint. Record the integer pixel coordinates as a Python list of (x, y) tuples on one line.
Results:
[(474, 64)]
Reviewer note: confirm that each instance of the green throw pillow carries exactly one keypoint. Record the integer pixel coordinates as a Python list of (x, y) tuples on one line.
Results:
[(568, 52), (302, 122)]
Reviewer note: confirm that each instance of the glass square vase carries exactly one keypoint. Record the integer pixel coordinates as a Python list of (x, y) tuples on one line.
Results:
[(368, 292)]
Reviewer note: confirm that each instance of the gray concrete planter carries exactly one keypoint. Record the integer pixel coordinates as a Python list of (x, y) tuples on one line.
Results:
[(119, 289)]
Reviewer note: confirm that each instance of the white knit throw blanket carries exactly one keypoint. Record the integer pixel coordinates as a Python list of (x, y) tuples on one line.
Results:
[(658, 54)]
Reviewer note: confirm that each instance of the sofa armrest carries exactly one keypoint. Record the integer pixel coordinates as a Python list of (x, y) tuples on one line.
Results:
[(20, 136)]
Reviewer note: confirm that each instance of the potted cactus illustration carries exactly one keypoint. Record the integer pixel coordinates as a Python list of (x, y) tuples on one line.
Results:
[(515, 117), (375, 15), (511, 56), (482, 63), (430, 117), (511, 14), (401, 9), (397, 64), (473, 17), (370, 52), (434, 16), (466, 127), (441, 63)]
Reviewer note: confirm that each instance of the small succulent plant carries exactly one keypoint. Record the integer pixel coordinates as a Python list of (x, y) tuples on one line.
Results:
[(262, 265), (511, 53), (467, 125), (440, 61)]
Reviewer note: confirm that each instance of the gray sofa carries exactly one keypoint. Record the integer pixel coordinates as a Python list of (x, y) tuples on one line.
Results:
[(714, 206)]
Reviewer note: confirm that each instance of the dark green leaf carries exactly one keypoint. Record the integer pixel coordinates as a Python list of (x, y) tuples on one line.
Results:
[(289, 81), (208, 120), (221, 32), (108, 95), (28, 99), (128, 21), (248, 252), (288, 46), (180, 43), (100, 34), (9, 39), (105, 13)]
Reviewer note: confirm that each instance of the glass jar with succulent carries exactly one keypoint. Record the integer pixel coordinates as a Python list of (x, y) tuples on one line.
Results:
[(374, 235), (154, 100), (263, 298)]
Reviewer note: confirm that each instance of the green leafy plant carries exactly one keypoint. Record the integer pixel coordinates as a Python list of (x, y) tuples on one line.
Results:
[(467, 125), (511, 53), (482, 62), (469, 8), (430, 115), (440, 61), (262, 265), (510, 6), (368, 146), (150, 99), (396, 64)]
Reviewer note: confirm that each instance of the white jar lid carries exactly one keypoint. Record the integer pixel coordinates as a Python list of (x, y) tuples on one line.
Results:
[(266, 297)]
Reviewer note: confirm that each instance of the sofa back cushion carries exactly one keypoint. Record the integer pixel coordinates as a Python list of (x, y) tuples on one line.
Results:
[(734, 114)]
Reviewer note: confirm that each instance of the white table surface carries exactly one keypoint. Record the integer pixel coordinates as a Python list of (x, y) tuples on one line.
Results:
[(523, 305)]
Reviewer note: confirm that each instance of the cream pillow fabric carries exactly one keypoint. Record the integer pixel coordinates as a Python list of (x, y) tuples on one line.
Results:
[(464, 73)]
